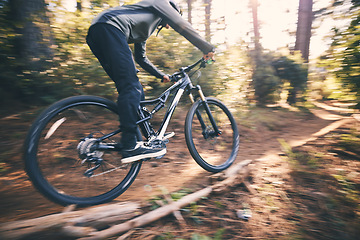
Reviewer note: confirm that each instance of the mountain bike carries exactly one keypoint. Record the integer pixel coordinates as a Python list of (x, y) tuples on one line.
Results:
[(72, 151)]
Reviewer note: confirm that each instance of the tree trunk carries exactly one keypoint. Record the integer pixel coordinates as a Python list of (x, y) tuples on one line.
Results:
[(189, 6), (79, 6), (254, 8), (83, 5), (258, 66), (35, 38), (208, 19), (303, 32)]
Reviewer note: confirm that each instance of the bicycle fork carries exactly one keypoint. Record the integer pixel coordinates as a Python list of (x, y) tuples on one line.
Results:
[(216, 131)]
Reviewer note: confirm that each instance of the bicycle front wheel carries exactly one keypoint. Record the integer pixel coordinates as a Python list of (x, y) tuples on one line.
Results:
[(212, 150), (58, 142)]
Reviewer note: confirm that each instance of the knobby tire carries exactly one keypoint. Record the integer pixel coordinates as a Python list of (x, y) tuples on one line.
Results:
[(213, 153), (51, 156)]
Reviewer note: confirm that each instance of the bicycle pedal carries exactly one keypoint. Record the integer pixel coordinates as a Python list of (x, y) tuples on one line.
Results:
[(169, 135), (158, 157)]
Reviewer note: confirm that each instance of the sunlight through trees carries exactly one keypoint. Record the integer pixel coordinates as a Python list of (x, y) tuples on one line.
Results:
[(44, 56)]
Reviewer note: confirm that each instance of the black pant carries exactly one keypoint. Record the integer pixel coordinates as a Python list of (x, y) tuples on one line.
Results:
[(110, 46)]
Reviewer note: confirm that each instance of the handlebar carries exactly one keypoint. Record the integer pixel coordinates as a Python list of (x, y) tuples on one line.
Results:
[(202, 63), (176, 76)]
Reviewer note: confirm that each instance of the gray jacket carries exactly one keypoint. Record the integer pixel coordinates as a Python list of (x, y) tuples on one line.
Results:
[(138, 21)]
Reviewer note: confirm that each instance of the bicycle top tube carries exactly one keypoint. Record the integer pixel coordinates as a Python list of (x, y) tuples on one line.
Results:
[(181, 80), (178, 75), (163, 97)]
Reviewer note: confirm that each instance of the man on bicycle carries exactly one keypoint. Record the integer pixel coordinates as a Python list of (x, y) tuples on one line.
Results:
[(108, 38)]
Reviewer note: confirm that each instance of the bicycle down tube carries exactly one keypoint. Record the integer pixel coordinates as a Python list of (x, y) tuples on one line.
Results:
[(180, 87)]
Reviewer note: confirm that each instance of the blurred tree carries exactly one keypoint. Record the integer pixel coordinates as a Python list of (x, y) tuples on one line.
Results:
[(343, 57), (207, 4), (79, 6), (264, 81), (303, 31), (8, 64), (34, 33), (270, 71), (189, 9), (82, 4), (70, 68), (293, 72), (254, 10)]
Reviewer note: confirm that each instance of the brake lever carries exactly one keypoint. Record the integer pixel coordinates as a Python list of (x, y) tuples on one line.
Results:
[(173, 78)]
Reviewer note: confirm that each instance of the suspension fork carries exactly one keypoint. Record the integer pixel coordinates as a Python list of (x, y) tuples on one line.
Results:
[(217, 132)]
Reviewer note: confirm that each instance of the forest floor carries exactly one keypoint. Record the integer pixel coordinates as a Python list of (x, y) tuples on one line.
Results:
[(305, 179)]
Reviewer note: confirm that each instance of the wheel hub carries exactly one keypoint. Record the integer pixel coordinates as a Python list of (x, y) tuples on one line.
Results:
[(85, 149)]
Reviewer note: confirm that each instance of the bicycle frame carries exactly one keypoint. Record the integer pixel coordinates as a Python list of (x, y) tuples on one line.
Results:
[(179, 87), (182, 84)]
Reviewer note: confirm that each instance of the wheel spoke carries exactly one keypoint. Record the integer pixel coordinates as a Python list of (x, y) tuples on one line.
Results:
[(66, 140), (211, 150)]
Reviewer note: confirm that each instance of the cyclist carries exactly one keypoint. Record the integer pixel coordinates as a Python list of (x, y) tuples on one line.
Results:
[(108, 38)]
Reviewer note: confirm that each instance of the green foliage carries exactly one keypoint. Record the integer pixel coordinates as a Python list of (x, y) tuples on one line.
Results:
[(158, 201), (218, 236), (165, 236), (350, 142), (195, 236), (294, 72), (229, 77), (270, 73), (74, 69), (168, 51), (266, 84), (349, 71), (298, 159), (342, 60), (76, 63), (8, 64)]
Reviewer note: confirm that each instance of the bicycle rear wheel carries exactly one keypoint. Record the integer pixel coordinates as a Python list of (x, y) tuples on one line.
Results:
[(55, 148), (212, 151)]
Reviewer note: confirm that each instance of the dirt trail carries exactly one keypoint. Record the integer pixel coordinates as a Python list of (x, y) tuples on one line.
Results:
[(19, 200)]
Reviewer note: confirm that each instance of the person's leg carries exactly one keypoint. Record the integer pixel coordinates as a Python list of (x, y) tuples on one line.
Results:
[(109, 45)]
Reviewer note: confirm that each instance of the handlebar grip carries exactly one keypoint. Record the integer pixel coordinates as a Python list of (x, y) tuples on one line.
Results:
[(210, 61)]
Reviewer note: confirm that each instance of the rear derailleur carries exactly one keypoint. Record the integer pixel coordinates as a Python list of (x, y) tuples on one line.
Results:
[(88, 153)]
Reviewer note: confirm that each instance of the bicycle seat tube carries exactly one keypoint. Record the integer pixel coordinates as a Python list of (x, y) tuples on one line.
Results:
[(180, 86)]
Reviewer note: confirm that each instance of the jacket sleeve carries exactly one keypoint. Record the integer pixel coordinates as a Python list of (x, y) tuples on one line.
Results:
[(167, 12), (144, 62)]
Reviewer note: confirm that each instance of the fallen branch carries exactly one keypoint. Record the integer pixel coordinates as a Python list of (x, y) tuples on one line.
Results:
[(73, 223), (163, 211), (233, 175), (84, 223), (177, 213), (151, 216)]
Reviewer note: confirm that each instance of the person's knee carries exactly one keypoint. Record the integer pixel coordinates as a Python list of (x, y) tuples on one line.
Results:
[(132, 90)]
